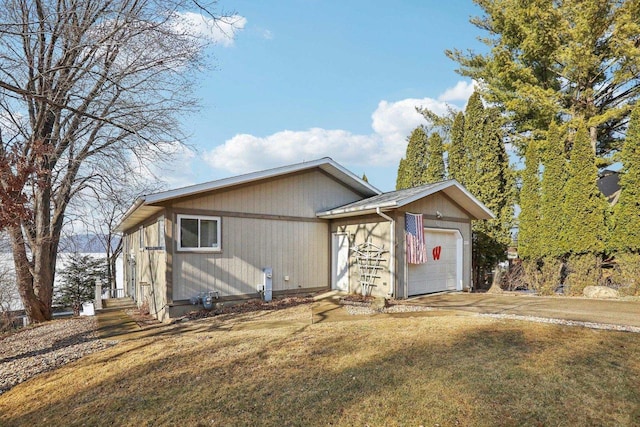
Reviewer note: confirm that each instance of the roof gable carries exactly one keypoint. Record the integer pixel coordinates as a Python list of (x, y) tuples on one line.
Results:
[(397, 199), (148, 205)]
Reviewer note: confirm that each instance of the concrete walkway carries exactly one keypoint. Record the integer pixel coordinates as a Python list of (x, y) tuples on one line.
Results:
[(612, 312)]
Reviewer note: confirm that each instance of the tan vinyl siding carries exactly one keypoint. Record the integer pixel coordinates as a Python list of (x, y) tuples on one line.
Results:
[(150, 267), (438, 202), (299, 250), (297, 195), (361, 230)]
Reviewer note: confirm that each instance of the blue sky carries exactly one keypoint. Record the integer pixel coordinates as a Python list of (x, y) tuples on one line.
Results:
[(304, 79)]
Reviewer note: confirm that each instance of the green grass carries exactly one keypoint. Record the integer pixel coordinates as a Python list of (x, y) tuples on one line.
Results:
[(252, 369)]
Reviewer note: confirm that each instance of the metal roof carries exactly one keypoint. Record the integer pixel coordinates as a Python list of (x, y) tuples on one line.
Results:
[(397, 199), (146, 206)]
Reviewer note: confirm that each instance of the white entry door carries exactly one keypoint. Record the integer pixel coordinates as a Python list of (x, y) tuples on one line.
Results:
[(340, 262)]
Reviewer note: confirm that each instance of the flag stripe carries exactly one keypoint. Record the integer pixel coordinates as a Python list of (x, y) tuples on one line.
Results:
[(414, 234)]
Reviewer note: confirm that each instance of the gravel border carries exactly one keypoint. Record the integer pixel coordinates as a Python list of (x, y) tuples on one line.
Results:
[(42, 348), (363, 309), (591, 325)]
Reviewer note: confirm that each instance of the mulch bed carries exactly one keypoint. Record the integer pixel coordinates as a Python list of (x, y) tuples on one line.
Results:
[(249, 306)]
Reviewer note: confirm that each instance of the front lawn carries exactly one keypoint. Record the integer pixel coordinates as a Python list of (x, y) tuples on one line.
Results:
[(274, 368)]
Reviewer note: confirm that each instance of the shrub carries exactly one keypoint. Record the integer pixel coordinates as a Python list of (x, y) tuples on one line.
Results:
[(582, 271), (626, 274), (543, 276), (531, 272), (551, 272)]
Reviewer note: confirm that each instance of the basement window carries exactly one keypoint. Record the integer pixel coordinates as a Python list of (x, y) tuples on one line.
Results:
[(198, 233)]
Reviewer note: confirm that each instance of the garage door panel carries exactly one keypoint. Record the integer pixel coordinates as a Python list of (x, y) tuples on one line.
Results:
[(440, 272)]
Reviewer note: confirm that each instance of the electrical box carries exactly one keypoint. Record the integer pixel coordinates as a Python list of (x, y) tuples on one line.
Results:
[(267, 281)]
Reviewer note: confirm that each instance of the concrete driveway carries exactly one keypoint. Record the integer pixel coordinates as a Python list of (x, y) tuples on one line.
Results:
[(613, 312)]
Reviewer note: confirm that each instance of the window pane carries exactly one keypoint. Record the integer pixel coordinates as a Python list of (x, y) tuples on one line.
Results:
[(208, 233), (188, 233)]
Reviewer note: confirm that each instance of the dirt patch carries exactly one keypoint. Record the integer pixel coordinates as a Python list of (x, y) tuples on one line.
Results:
[(250, 306), (142, 318)]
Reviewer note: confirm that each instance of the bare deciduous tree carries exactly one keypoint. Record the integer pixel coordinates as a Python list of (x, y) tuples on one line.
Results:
[(84, 87)]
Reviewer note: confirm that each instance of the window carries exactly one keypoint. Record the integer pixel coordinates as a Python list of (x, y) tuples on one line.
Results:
[(198, 233)]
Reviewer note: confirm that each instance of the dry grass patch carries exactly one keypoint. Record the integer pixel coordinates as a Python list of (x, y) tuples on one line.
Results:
[(274, 368)]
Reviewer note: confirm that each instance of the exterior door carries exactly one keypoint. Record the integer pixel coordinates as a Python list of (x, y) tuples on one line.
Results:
[(443, 269), (340, 262)]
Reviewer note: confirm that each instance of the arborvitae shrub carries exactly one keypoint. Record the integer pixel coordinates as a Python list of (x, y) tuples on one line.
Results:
[(582, 271), (550, 275), (626, 274)]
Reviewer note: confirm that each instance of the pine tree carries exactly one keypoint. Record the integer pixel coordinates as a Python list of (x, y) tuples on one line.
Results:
[(554, 178), (411, 167), (585, 231), (529, 234), (434, 170), (78, 281), (558, 59), (456, 155), (626, 231)]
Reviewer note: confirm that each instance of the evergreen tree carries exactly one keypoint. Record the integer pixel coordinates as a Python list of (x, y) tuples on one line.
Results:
[(559, 59), (530, 228), (554, 178), (585, 231), (401, 178), (488, 176), (78, 281), (473, 142), (411, 167), (456, 155), (626, 216), (434, 170)]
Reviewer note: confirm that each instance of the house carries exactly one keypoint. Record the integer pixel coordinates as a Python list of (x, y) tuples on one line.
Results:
[(301, 228), (609, 185)]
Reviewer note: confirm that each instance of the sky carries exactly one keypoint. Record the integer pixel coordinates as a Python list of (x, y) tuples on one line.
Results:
[(297, 80)]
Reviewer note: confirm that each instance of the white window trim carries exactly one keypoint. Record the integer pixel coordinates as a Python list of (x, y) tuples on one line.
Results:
[(217, 248)]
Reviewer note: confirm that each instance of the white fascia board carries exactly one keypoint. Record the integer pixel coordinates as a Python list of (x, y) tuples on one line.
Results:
[(361, 210)]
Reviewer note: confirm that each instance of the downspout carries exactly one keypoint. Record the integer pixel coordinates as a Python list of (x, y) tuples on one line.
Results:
[(392, 251)]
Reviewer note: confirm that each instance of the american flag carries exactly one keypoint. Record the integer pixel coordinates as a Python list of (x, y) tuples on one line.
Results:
[(414, 234)]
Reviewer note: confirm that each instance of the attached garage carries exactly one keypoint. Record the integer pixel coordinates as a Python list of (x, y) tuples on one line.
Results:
[(443, 269), (445, 210)]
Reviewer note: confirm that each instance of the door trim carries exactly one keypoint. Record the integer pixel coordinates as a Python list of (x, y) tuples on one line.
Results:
[(336, 245)]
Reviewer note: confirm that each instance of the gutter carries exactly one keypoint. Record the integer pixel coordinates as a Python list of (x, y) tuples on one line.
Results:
[(392, 251)]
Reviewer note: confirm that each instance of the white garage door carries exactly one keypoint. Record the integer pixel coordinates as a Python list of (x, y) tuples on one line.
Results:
[(443, 269)]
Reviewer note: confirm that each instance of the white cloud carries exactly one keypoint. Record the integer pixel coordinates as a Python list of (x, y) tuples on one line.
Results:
[(460, 92), (394, 121), (391, 123), (244, 153), (175, 172), (222, 31)]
